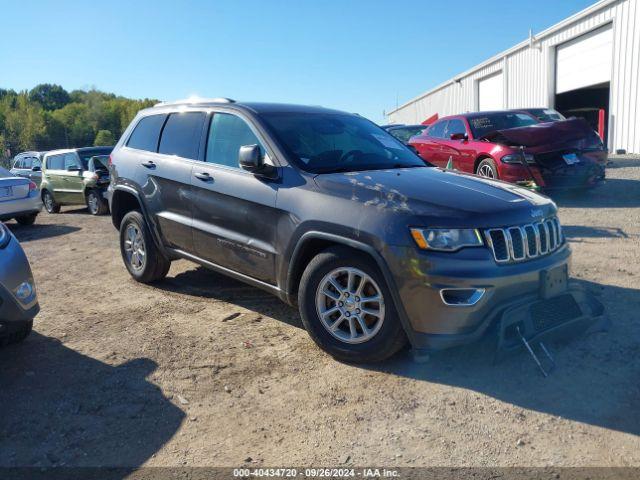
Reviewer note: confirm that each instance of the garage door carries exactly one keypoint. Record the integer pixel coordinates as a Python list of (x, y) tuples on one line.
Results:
[(584, 61), (491, 93)]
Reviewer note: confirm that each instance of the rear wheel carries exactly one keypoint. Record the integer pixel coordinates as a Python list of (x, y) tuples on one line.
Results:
[(27, 219), (50, 204), (143, 259), (15, 332), (96, 203), (347, 307), (487, 168)]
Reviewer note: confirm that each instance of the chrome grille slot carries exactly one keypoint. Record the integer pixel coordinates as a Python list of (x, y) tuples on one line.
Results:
[(523, 242), (517, 243), (532, 244)]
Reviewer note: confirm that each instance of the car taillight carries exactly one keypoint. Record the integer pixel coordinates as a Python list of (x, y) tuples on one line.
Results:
[(32, 186), (110, 162)]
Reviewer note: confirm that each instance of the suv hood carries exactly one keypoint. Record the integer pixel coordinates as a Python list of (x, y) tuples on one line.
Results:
[(444, 197), (571, 131)]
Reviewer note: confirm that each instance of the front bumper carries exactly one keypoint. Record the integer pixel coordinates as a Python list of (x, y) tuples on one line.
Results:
[(24, 206), (420, 277), (15, 270), (558, 175)]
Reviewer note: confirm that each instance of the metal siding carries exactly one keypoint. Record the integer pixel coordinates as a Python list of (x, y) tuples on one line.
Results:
[(528, 80)]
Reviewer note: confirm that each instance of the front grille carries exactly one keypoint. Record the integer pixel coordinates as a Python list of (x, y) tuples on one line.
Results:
[(524, 242), (554, 311)]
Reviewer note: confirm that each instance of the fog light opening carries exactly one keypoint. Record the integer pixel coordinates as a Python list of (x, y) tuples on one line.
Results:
[(24, 291), (461, 297)]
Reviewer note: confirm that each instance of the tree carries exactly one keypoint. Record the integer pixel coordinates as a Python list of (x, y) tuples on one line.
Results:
[(51, 97), (104, 137)]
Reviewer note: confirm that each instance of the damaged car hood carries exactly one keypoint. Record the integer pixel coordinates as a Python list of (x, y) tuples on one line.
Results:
[(569, 131)]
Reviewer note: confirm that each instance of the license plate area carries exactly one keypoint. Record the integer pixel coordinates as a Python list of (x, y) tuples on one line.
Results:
[(5, 192), (554, 281)]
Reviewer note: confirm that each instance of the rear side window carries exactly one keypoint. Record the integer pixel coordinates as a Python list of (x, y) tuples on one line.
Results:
[(226, 135), (455, 126), (437, 130), (71, 160), (18, 163), (145, 135), (55, 162), (181, 134)]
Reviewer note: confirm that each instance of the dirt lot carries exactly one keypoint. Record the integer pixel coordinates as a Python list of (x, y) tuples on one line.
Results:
[(202, 370)]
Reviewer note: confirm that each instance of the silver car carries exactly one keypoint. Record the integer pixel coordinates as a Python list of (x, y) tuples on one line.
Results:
[(28, 165), (18, 298), (19, 198)]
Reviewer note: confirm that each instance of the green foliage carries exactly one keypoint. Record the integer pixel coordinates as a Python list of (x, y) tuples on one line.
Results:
[(50, 97), (104, 137), (48, 117)]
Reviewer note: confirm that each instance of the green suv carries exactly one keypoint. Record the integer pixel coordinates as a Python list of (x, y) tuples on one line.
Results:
[(75, 177)]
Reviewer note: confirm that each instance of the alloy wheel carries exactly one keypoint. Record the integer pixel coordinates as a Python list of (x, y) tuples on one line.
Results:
[(48, 202), (92, 201), (134, 247), (350, 305), (486, 171)]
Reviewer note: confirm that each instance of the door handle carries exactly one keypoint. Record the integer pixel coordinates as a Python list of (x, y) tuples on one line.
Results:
[(148, 164), (205, 177)]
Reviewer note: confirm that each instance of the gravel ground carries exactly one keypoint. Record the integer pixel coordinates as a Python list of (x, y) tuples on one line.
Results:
[(203, 371)]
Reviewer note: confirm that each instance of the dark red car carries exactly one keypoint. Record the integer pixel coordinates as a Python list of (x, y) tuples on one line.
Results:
[(516, 147)]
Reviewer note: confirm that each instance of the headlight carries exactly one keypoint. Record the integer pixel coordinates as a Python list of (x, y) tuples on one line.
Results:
[(517, 158), (5, 236), (446, 239)]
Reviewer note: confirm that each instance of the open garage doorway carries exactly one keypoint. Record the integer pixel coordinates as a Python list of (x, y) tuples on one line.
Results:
[(590, 103), (583, 78)]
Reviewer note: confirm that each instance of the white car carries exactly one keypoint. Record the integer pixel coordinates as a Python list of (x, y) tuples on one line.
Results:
[(19, 198)]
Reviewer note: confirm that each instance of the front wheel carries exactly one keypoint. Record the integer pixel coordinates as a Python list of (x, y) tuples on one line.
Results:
[(96, 203), (27, 219), (487, 168), (15, 332), (141, 256), (347, 308)]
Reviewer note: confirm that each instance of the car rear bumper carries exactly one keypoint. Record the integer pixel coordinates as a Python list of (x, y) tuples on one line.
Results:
[(421, 278), (24, 206)]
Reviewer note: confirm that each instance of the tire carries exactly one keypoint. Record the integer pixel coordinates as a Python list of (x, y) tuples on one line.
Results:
[(487, 168), (16, 333), (134, 236), (49, 202), (382, 340), (96, 204), (27, 219)]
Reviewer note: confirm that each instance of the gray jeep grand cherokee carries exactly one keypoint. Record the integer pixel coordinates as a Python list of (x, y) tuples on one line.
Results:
[(328, 211)]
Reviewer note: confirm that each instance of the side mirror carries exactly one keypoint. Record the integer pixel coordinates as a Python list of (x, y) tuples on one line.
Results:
[(459, 136), (36, 169), (251, 159), (73, 168)]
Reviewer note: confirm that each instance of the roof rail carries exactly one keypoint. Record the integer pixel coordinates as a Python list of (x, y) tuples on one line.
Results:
[(196, 100)]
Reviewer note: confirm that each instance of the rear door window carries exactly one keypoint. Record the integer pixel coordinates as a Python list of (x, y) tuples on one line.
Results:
[(181, 134), (18, 163), (437, 130), (227, 134), (146, 134), (71, 160), (455, 126), (55, 162)]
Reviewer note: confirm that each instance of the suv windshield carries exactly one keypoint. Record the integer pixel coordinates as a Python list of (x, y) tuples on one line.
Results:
[(328, 142), (85, 155), (482, 125)]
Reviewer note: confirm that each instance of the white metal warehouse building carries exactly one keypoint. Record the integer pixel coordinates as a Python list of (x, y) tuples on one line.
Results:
[(586, 63)]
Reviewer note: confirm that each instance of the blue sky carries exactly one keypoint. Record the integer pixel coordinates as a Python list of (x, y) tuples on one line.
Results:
[(355, 55)]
